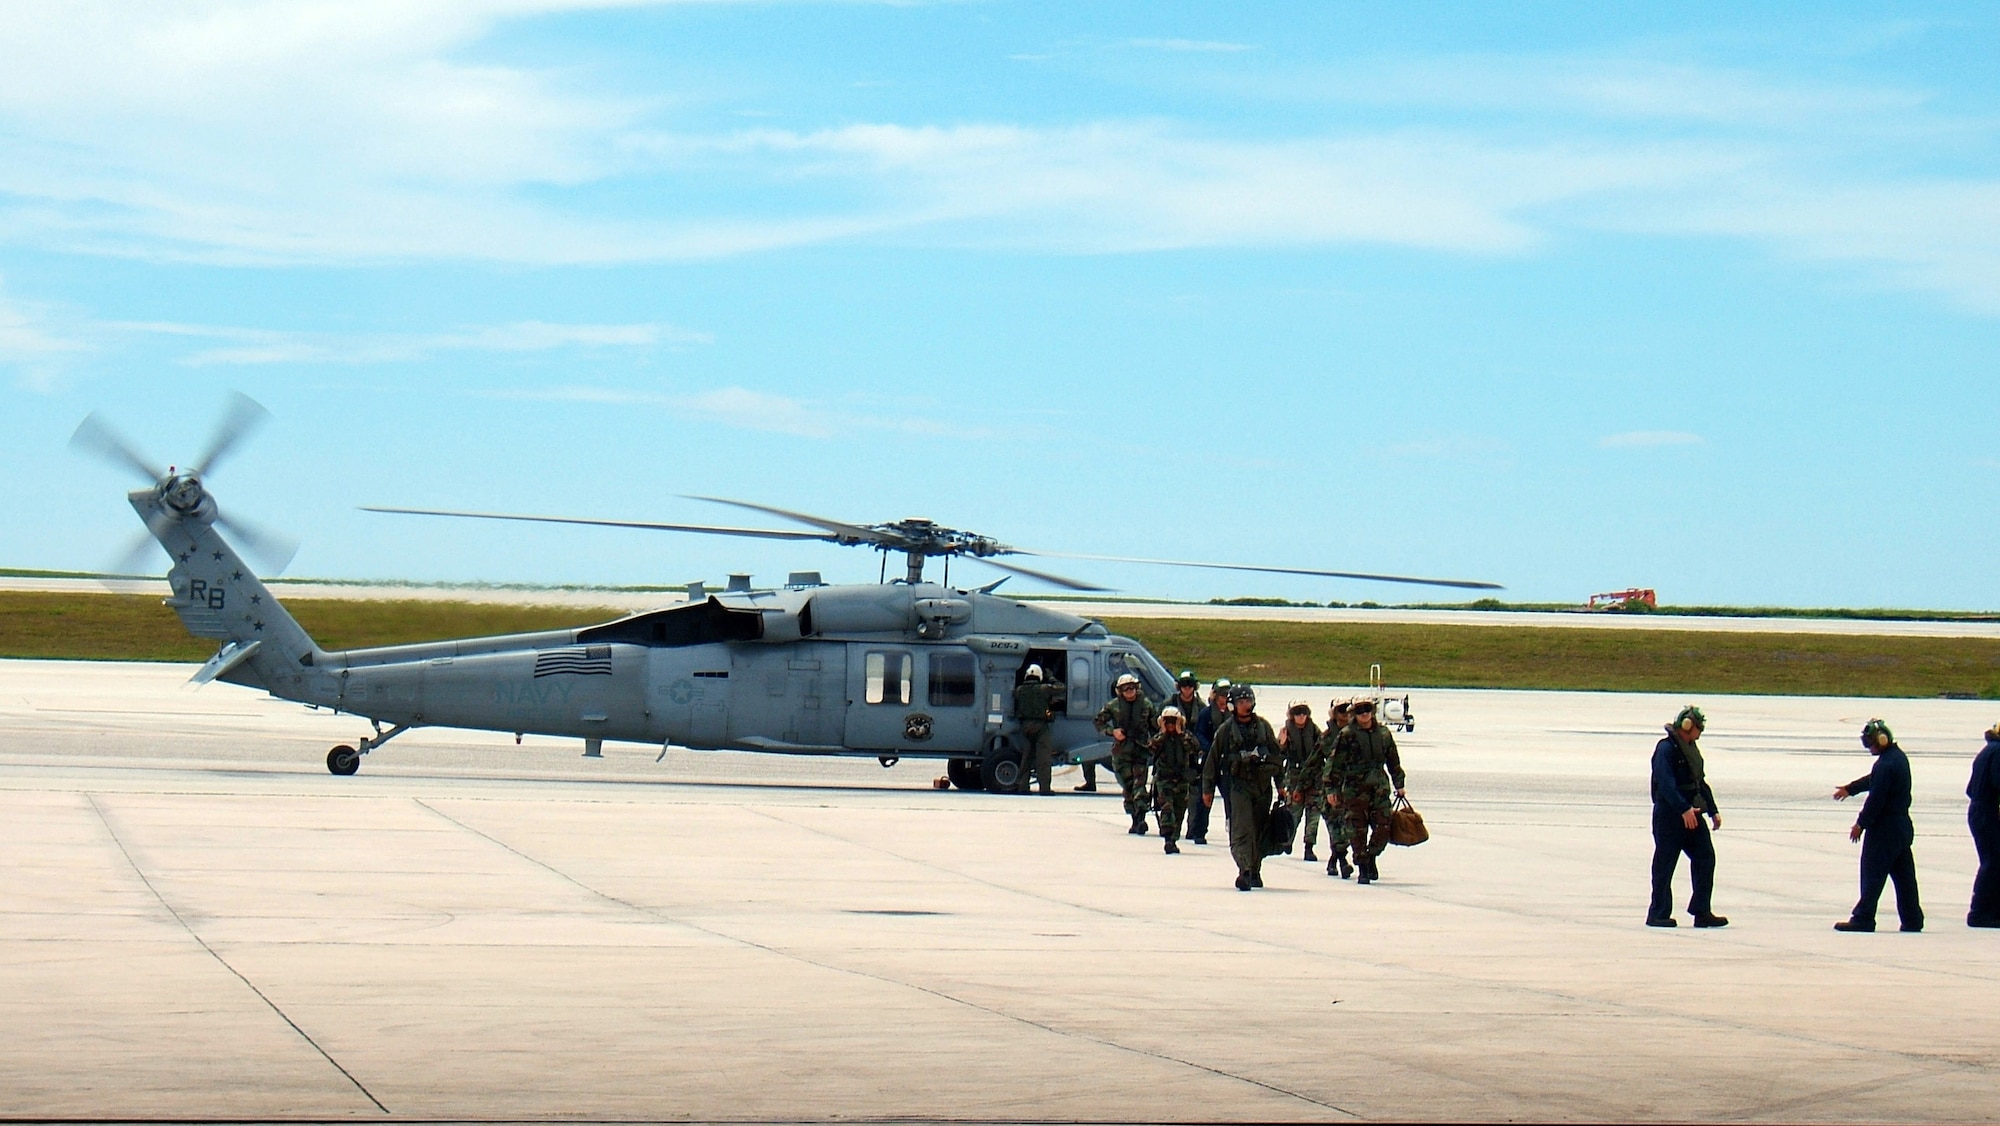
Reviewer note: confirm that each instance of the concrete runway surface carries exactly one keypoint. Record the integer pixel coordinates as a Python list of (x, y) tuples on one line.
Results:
[(197, 920)]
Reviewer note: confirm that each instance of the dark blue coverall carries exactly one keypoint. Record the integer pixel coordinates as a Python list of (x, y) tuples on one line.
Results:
[(1886, 836), (1675, 791), (1203, 730), (1984, 818)]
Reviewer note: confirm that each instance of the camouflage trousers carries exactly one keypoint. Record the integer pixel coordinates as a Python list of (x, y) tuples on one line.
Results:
[(1367, 807), (1307, 812), (1171, 800), (1131, 765)]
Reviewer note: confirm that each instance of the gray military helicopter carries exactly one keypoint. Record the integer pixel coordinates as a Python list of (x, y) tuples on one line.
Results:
[(897, 669)]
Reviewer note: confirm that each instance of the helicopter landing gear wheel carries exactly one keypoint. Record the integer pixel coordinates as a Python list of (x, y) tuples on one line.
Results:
[(1000, 771), (343, 760), (965, 773)]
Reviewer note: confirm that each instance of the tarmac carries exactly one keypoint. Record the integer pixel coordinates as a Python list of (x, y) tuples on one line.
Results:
[(196, 920)]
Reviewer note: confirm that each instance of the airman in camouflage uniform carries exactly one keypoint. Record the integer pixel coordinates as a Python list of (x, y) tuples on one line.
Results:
[(1373, 772), (1246, 753), (1036, 702), (1305, 758), (1176, 771), (1130, 722), (1332, 780)]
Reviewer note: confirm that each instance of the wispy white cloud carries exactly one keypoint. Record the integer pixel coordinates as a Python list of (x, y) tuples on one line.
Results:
[(744, 409), (325, 131), (263, 346), (31, 348), (1648, 439)]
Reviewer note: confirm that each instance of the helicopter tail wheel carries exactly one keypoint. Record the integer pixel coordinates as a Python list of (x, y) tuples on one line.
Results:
[(343, 760), (1000, 770), (965, 773)]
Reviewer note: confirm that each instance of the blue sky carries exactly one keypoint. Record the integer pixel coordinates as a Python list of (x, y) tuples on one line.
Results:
[(1571, 299)]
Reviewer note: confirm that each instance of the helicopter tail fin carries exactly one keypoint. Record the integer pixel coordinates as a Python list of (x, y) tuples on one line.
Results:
[(218, 597)]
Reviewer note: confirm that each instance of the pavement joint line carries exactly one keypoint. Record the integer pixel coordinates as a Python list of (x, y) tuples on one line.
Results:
[(1626, 1008), (885, 979), (105, 820)]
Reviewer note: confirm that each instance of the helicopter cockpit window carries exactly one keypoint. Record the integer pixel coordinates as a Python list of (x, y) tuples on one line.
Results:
[(951, 682), (888, 676), (1119, 662)]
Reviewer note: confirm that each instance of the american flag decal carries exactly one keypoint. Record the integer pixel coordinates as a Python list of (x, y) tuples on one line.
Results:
[(593, 660)]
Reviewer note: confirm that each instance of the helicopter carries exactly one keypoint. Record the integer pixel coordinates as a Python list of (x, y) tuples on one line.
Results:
[(902, 668)]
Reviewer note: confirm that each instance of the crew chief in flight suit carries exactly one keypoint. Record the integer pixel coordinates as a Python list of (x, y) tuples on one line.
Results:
[(1036, 701), (1680, 797), (1885, 832), (1984, 818)]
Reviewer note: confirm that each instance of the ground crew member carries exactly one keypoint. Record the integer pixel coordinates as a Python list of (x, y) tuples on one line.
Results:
[(1680, 797), (1129, 720), (1332, 779), (1984, 817), (1205, 726), (1187, 698), (1245, 759), (1305, 755), (1036, 701), (1885, 832), (1176, 758), (1374, 771)]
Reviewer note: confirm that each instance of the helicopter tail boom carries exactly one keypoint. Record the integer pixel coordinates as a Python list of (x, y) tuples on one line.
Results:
[(218, 597)]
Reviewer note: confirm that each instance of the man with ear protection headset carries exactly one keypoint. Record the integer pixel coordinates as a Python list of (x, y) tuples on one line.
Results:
[(1681, 797), (1885, 832)]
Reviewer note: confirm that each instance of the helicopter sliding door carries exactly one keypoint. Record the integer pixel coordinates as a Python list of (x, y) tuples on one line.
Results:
[(881, 693)]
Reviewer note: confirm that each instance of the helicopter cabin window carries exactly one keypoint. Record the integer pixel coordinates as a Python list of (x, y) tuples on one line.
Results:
[(1079, 679), (951, 682), (888, 676)]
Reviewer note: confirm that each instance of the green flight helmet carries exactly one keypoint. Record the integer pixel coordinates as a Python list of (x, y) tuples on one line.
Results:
[(1876, 734), (1691, 714)]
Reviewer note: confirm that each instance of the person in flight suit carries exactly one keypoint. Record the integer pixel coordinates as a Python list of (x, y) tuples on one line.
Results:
[(1129, 720), (1680, 797), (1885, 832), (1984, 818), (1204, 729), (1305, 756), (1332, 778), (1036, 702), (1372, 771), (1246, 759), (1176, 758), (1187, 699)]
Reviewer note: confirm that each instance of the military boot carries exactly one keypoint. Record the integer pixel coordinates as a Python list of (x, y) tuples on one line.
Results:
[(1309, 857), (1173, 849), (1138, 828), (1346, 869), (1242, 882)]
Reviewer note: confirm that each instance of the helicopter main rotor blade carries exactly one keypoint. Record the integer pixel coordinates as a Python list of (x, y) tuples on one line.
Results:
[(245, 414), (1044, 576), (274, 550), (1462, 584), (700, 529), (855, 533), (95, 436)]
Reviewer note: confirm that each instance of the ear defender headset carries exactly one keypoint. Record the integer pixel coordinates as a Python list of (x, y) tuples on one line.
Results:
[(1876, 734)]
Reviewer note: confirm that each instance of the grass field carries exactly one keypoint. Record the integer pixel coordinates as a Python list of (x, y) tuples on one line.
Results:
[(137, 627)]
